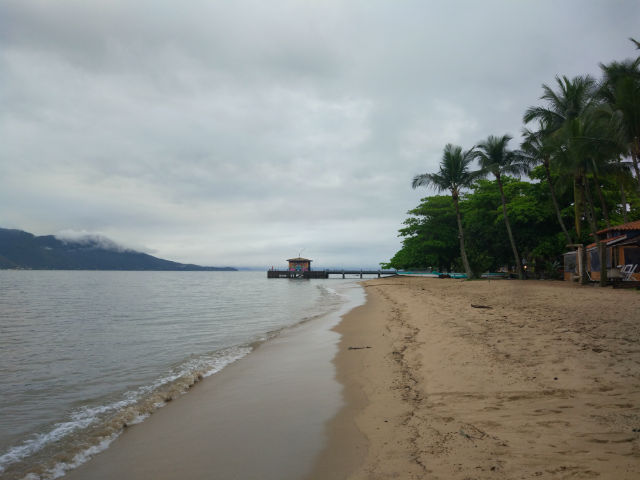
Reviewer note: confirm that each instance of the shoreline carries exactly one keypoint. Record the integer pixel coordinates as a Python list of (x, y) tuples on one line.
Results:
[(261, 417), (542, 383), (346, 446)]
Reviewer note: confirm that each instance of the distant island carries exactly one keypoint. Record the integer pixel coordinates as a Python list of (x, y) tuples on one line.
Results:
[(23, 250)]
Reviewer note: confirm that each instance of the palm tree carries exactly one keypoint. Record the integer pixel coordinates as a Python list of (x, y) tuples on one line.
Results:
[(453, 175), (572, 98), (621, 90), (538, 149), (606, 141), (592, 142), (495, 158)]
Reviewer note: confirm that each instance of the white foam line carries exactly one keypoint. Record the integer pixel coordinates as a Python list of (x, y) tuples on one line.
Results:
[(60, 469), (85, 416)]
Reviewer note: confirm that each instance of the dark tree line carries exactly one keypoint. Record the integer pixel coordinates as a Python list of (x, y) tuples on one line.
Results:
[(581, 152)]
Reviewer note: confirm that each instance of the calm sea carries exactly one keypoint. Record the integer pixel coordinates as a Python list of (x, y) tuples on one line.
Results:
[(82, 354)]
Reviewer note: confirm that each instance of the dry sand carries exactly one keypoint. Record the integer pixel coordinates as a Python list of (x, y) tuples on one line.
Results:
[(543, 384)]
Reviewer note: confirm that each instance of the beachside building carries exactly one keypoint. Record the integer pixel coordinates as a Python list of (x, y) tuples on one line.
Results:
[(623, 255), (298, 268), (299, 264)]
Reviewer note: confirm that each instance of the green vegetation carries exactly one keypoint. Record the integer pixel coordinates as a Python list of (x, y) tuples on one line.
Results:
[(580, 158), (454, 175)]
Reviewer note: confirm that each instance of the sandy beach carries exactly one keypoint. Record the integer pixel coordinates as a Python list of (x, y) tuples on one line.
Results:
[(448, 379), (436, 379)]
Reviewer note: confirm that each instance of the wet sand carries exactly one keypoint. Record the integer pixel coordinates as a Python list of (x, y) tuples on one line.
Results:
[(487, 379), (263, 417)]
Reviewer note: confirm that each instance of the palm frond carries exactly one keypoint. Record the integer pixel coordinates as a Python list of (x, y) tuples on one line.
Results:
[(453, 173), (427, 180), (494, 157)]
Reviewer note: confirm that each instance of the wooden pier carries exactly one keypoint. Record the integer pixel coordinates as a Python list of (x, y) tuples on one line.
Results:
[(326, 273)]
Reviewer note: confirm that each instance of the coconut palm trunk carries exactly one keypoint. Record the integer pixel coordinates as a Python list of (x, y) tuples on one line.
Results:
[(578, 206), (554, 199), (634, 158), (508, 225), (603, 203), (602, 252), (623, 199), (578, 203), (463, 252)]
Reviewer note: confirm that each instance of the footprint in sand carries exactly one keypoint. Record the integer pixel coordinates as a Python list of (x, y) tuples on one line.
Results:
[(545, 411), (554, 423), (574, 452)]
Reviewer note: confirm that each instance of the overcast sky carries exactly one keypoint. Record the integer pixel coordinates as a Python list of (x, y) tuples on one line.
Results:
[(241, 132)]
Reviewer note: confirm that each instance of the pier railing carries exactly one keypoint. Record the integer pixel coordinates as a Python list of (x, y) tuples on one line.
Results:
[(326, 273)]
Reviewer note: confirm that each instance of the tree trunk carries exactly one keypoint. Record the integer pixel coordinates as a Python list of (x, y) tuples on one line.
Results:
[(582, 251), (623, 199), (578, 202), (591, 213), (508, 225), (603, 204), (463, 252), (555, 201), (602, 252), (634, 157)]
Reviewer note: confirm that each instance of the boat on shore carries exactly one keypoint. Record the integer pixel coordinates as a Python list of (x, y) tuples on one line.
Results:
[(431, 274)]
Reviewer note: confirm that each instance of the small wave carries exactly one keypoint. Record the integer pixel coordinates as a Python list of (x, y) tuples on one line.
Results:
[(91, 429), (332, 297), (59, 469), (335, 292)]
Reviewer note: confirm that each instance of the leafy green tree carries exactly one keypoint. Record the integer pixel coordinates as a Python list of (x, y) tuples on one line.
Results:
[(484, 226), (454, 175), (431, 232), (536, 233), (496, 159), (430, 236)]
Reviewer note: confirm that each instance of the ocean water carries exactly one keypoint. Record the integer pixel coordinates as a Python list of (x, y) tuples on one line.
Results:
[(85, 354)]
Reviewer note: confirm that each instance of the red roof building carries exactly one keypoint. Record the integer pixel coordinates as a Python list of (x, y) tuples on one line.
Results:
[(625, 227), (622, 243)]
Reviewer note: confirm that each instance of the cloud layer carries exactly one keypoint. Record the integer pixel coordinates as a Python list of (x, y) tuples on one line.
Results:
[(240, 132)]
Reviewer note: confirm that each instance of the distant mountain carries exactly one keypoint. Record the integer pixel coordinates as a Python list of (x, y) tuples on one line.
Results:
[(20, 249)]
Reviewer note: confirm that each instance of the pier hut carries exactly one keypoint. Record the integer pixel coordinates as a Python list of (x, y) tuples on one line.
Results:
[(301, 268), (298, 268), (299, 264)]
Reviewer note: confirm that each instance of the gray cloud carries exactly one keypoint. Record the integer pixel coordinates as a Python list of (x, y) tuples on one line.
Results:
[(96, 241), (240, 132)]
